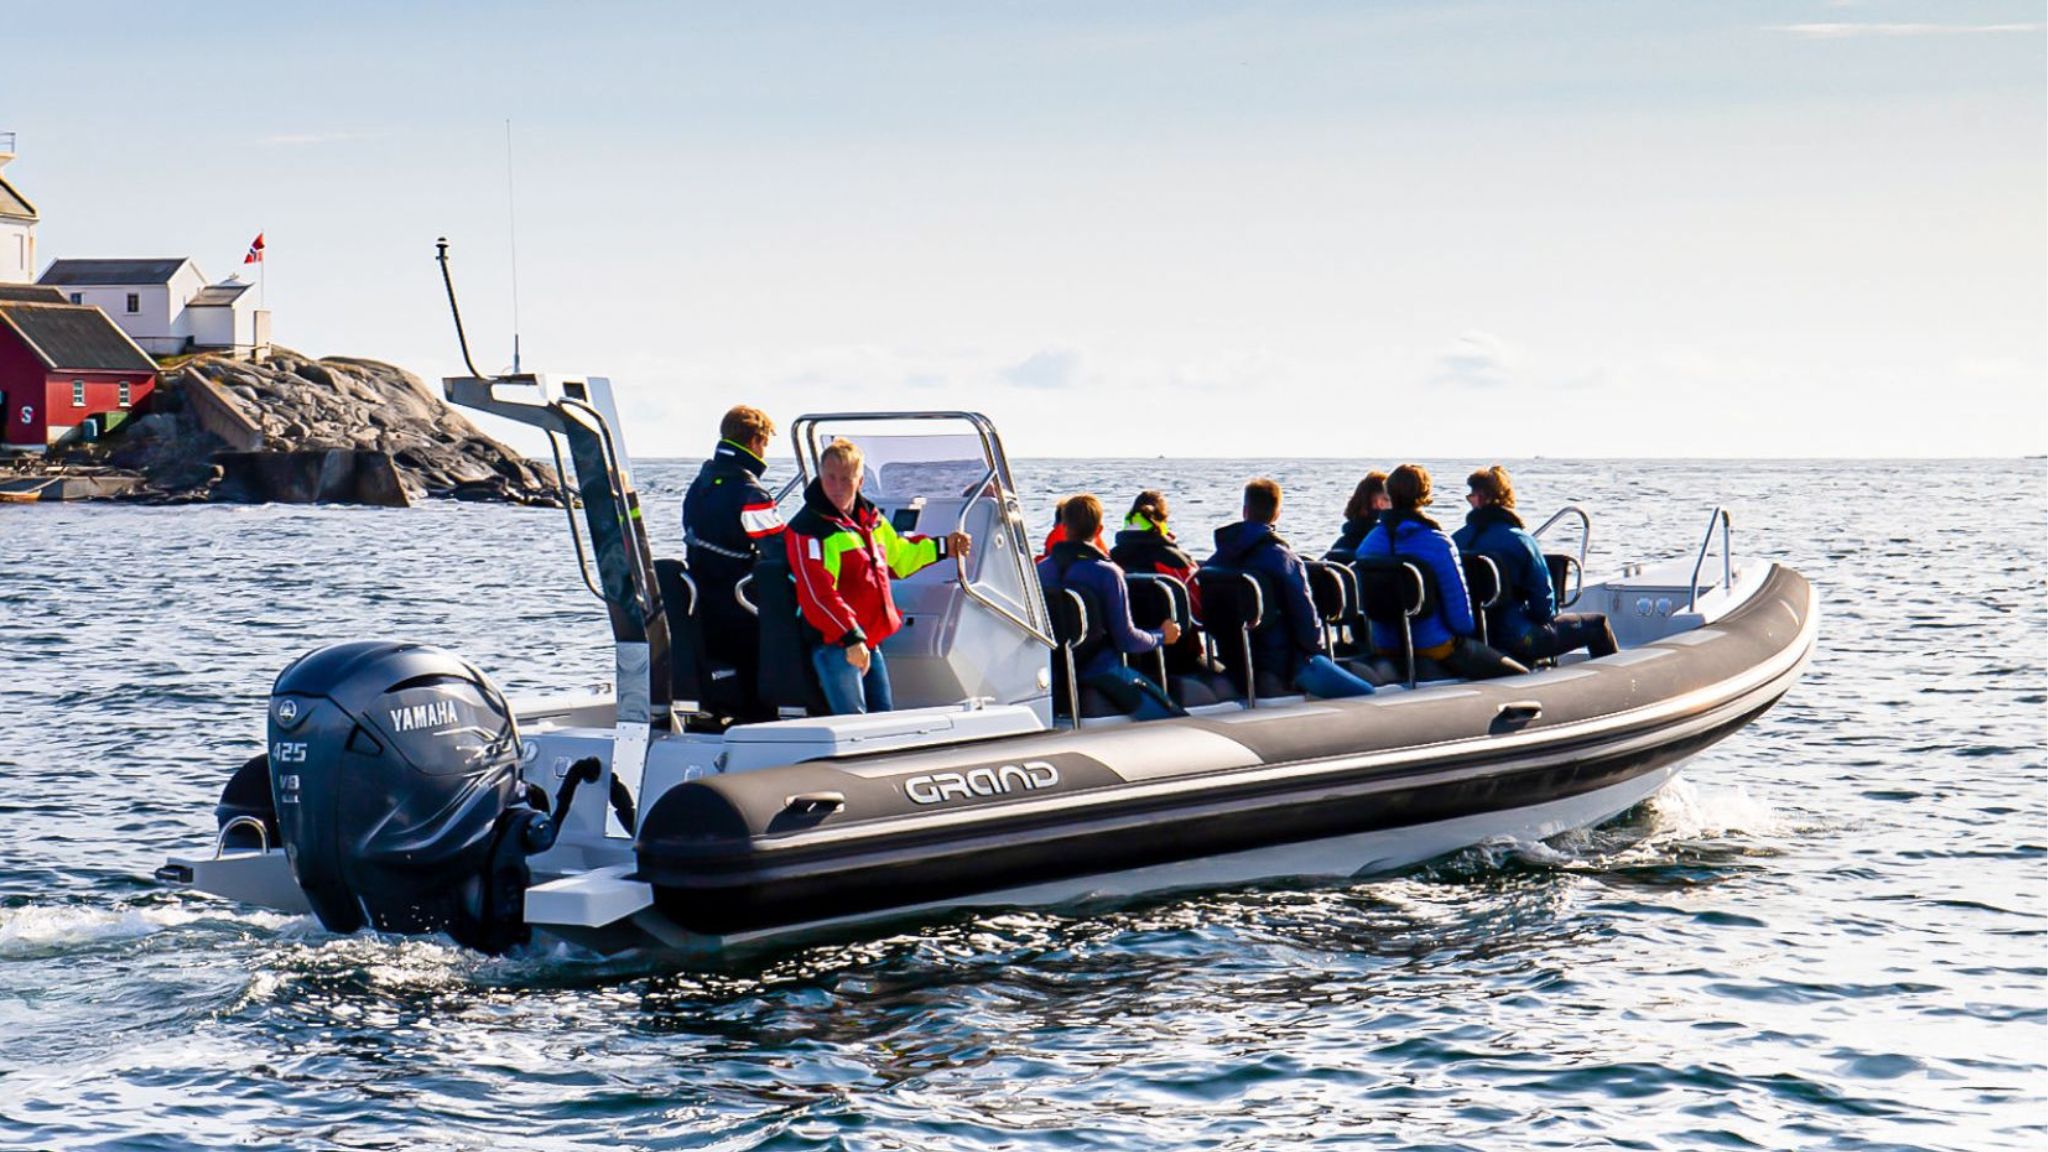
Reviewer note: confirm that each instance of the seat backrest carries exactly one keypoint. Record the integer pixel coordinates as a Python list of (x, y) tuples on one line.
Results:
[(787, 679), (1068, 610), (686, 633), (1562, 569), (1233, 607), (1157, 598), (1483, 579), (1390, 588), (1330, 591)]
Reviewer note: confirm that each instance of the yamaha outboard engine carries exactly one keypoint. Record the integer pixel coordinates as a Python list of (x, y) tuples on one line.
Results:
[(395, 773)]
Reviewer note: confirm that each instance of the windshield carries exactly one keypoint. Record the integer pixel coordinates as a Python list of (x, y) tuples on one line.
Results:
[(901, 466)]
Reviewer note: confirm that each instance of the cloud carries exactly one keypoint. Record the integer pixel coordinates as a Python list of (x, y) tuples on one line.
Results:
[(1854, 31), (1050, 369), (1479, 361)]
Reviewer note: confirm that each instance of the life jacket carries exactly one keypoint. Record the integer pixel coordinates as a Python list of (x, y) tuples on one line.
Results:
[(843, 561)]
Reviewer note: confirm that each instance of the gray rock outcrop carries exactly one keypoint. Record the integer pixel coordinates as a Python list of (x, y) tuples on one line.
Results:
[(298, 430)]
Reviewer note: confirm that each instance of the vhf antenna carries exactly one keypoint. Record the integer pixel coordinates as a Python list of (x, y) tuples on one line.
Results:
[(512, 239)]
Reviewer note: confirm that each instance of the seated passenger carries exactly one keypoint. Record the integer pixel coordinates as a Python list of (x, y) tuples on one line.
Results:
[(1368, 500), (842, 551), (1084, 568), (1059, 533), (1530, 626), (1447, 635), (1146, 544), (1290, 643)]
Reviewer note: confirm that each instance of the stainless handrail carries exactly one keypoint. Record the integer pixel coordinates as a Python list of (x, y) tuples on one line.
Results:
[(220, 843), (569, 507), (1585, 528), (739, 593), (624, 515), (967, 585), (1721, 519)]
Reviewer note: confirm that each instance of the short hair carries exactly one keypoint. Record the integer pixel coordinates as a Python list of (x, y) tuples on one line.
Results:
[(1081, 516), (842, 452), (1360, 505), (742, 424), (1494, 486), (1408, 487), (1262, 500), (1151, 504)]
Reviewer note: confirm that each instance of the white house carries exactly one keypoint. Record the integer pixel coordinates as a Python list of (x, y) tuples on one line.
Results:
[(17, 225), (165, 305)]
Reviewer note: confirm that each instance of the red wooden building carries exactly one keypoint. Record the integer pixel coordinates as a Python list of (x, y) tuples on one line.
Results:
[(62, 366)]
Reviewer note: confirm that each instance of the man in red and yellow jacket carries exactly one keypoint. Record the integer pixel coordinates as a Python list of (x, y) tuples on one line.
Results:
[(843, 552)]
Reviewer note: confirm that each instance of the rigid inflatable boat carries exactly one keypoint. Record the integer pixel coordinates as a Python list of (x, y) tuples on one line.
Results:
[(401, 791)]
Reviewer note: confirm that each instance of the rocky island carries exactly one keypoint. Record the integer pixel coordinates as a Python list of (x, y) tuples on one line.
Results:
[(288, 429)]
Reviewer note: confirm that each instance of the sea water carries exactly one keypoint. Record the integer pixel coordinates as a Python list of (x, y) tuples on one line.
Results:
[(1827, 933)]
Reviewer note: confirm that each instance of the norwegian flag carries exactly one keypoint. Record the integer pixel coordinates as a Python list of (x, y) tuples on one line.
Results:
[(255, 255)]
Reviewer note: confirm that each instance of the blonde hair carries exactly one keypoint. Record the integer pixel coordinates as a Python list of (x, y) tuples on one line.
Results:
[(842, 452)]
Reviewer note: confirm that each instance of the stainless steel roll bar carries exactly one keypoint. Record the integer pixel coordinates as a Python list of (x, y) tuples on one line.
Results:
[(1720, 519)]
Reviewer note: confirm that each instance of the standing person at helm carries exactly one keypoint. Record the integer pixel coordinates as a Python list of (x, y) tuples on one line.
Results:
[(727, 517), (1446, 635), (843, 551), (1531, 627)]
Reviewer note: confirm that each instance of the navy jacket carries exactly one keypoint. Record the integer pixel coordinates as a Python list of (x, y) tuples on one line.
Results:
[(1497, 532), (1412, 536), (1077, 565), (1291, 633), (726, 515), (1353, 535)]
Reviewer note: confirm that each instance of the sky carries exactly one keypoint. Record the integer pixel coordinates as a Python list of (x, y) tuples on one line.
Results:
[(1379, 230)]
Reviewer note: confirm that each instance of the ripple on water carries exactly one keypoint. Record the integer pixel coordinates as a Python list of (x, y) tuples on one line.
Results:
[(1826, 934)]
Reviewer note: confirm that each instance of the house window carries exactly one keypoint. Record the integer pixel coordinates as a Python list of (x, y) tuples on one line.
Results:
[(127, 396), (78, 393), (78, 297), (134, 303)]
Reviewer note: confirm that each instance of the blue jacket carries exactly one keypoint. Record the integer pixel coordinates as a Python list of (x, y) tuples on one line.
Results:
[(1415, 537), (1078, 565), (1498, 532), (1291, 633)]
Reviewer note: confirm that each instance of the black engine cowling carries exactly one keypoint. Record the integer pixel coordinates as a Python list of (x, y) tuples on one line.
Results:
[(394, 769)]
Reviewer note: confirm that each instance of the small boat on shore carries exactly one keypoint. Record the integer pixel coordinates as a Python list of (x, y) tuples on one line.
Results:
[(402, 792)]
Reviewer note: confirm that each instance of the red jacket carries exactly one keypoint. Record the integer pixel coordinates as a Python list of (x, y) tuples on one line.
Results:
[(842, 565)]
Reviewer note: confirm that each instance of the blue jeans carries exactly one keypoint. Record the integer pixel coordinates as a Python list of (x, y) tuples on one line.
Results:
[(847, 690), (1133, 693), (1320, 676)]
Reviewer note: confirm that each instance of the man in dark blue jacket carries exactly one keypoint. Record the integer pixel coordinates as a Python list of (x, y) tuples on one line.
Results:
[(1074, 562), (727, 515), (1291, 646)]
